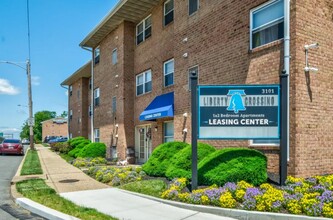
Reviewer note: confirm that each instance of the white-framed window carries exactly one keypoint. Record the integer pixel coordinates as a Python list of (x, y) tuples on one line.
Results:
[(96, 135), (96, 97), (168, 131), (96, 55), (143, 30), (267, 142), (114, 104), (266, 23), (70, 88), (114, 56), (168, 12), (70, 114), (143, 83), (190, 71), (193, 6), (168, 70)]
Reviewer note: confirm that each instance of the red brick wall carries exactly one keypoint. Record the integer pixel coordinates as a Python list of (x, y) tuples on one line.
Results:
[(53, 129)]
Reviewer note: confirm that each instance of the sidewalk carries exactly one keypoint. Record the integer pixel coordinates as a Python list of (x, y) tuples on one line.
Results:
[(71, 183)]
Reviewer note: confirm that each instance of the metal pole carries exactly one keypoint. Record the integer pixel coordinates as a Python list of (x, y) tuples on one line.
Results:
[(194, 83), (31, 119), (283, 127)]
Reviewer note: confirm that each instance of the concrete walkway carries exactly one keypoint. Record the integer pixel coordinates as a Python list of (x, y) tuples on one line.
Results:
[(71, 183)]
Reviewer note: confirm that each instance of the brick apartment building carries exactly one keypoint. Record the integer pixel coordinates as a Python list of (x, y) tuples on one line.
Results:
[(143, 51), (55, 127)]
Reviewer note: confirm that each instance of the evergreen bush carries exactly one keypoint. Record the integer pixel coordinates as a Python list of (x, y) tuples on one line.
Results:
[(79, 144), (181, 162), (233, 165), (93, 150), (75, 139), (159, 161)]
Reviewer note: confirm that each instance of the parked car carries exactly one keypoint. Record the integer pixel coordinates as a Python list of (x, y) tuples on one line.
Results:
[(25, 141), (58, 139), (48, 138), (11, 146)]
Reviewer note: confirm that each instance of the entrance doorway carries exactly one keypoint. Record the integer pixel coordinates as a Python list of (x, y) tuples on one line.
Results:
[(143, 146)]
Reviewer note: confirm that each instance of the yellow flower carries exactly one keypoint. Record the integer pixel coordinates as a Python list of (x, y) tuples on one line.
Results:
[(328, 210), (227, 201), (243, 185), (240, 194), (204, 200), (294, 207), (183, 197)]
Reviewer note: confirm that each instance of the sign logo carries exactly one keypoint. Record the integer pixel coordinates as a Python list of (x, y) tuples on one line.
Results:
[(236, 103)]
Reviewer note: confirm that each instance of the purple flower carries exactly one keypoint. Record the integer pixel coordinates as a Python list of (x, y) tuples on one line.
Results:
[(195, 198), (288, 188), (276, 206), (214, 194), (249, 203), (314, 210), (252, 192), (311, 180), (231, 187), (318, 188), (326, 197)]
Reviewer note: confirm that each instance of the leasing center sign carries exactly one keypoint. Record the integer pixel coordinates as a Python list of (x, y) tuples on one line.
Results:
[(239, 112)]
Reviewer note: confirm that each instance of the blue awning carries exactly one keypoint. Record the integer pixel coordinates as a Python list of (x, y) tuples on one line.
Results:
[(160, 107)]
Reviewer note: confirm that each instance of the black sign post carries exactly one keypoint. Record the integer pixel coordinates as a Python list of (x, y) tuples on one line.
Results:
[(194, 124), (283, 128)]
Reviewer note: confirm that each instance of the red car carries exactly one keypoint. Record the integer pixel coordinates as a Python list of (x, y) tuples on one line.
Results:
[(11, 146)]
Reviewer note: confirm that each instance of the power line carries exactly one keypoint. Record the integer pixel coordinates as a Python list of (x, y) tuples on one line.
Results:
[(28, 20)]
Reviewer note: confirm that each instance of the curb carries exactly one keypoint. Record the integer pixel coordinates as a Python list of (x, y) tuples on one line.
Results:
[(233, 213), (30, 205), (43, 211)]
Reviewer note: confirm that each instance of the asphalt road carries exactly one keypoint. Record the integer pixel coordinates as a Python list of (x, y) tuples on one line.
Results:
[(8, 209)]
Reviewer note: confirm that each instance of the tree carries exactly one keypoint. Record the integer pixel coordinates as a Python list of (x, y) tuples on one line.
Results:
[(64, 114), (39, 117)]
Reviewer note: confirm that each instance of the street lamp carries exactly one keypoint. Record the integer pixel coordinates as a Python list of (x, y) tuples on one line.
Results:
[(31, 121)]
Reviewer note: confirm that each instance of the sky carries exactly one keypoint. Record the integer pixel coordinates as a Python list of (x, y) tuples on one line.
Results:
[(56, 29)]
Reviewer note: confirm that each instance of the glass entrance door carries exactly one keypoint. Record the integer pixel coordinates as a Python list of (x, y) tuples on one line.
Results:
[(144, 143)]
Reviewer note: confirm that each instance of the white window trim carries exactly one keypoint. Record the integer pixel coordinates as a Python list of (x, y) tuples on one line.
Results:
[(164, 14), (263, 144), (165, 74), (171, 121), (96, 95), (99, 54), (143, 22), (271, 23), (144, 82), (193, 13), (95, 134), (115, 51)]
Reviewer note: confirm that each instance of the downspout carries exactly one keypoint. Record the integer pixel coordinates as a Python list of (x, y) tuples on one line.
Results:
[(68, 130), (287, 62), (92, 94)]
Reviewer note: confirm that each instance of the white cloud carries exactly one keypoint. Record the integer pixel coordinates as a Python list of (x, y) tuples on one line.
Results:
[(10, 130), (35, 80), (7, 89)]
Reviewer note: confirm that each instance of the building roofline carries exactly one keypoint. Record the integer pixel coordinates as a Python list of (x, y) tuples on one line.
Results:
[(83, 72), (125, 10)]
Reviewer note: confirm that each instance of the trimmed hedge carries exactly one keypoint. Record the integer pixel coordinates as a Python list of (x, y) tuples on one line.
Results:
[(79, 145), (93, 150), (180, 165), (233, 165), (159, 161)]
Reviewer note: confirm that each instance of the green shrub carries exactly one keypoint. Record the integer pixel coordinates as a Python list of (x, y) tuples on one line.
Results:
[(159, 161), (64, 147), (79, 144), (75, 139), (180, 165), (93, 150), (233, 165)]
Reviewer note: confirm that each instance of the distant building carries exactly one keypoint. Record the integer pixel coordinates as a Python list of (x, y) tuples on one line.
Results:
[(54, 127), (79, 108)]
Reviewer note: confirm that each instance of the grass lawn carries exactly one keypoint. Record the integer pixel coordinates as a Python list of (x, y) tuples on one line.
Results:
[(149, 187), (31, 165), (38, 191)]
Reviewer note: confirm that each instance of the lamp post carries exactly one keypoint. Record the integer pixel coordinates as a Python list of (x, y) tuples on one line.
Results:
[(31, 121)]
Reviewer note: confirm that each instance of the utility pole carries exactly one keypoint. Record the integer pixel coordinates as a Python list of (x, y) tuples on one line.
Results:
[(31, 120)]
